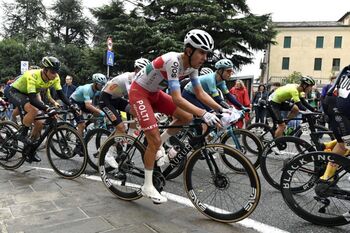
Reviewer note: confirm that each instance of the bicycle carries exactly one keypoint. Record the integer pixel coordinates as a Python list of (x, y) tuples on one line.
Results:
[(266, 133), (279, 151), (205, 174), (322, 202), (60, 144)]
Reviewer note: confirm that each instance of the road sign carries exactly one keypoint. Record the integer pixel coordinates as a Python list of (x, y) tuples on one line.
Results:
[(109, 43), (24, 66), (110, 58)]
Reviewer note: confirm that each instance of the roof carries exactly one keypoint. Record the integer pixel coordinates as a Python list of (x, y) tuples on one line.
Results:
[(344, 16), (311, 24)]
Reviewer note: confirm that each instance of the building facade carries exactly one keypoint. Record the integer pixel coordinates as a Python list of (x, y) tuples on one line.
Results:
[(319, 49)]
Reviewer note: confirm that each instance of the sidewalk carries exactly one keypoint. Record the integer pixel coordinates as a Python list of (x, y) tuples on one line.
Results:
[(39, 201)]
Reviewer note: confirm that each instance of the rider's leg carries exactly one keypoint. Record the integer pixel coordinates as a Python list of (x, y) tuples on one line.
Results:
[(14, 114), (38, 126), (31, 113), (293, 112), (332, 167), (280, 129)]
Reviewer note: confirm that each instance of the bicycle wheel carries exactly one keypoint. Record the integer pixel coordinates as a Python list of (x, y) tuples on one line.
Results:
[(68, 163), (262, 131), (67, 137), (93, 141), (245, 142), (279, 152), (11, 156), (215, 189), (125, 180), (323, 203)]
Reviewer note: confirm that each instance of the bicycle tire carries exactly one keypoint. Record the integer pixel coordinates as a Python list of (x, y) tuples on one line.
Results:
[(53, 148), (226, 183), (125, 181), (93, 141), (250, 146), (11, 156), (273, 157), (68, 165), (309, 204), (264, 132)]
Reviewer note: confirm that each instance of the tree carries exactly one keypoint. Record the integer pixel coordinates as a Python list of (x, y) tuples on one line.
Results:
[(292, 78), (11, 55), (68, 24), (235, 30), (24, 20)]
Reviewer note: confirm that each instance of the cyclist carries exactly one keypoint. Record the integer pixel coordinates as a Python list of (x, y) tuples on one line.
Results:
[(24, 94), (146, 96), (281, 97), (83, 97), (111, 98), (337, 106), (210, 83)]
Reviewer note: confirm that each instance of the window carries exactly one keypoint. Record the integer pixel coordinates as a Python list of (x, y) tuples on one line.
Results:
[(337, 41), (285, 63), (336, 64), (319, 42), (287, 42), (318, 64)]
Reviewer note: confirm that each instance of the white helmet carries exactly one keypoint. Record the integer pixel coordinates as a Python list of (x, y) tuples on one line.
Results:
[(99, 78), (199, 39), (141, 62), (206, 70)]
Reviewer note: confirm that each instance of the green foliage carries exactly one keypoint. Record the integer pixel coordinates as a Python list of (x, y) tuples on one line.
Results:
[(292, 78), (24, 20)]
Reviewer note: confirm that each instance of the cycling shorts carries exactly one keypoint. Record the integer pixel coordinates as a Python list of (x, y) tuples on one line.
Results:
[(193, 100), (111, 106), (145, 103), (276, 108), (17, 98)]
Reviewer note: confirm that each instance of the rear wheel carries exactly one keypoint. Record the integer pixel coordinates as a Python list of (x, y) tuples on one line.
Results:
[(262, 131), (11, 156)]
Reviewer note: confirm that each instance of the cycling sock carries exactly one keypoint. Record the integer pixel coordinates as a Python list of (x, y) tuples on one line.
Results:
[(165, 136), (148, 178)]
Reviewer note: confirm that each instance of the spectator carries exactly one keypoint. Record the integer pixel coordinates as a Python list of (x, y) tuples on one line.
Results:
[(259, 104), (242, 96), (313, 97), (68, 88)]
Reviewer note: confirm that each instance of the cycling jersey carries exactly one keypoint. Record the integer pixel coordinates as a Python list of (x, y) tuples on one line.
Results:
[(119, 86), (84, 93), (343, 99), (209, 85), (31, 82), (165, 72), (286, 93), (145, 92)]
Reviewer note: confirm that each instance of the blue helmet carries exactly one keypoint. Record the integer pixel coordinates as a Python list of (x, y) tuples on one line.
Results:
[(224, 64)]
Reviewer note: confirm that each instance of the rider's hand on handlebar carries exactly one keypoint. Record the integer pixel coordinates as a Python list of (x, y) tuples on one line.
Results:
[(51, 112), (211, 119)]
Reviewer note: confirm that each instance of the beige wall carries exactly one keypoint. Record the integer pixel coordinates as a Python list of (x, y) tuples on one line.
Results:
[(303, 51)]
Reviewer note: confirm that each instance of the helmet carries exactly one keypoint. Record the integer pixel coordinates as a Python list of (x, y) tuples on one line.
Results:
[(51, 63), (224, 64), (141, 62), (99, 78), (206, 70), (199, 39), (307, 80)]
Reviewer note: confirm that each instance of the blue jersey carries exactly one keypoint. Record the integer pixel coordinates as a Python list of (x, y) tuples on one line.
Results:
[(84, 93), (209, 85)]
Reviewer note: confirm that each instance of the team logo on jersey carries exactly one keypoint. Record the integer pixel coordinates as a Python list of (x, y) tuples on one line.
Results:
[(174, 69)]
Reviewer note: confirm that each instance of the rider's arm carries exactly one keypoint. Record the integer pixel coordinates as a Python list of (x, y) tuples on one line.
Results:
[(206, 99), (233, 100), (182, 103), (63, 97), (306, 104), (35, 101)]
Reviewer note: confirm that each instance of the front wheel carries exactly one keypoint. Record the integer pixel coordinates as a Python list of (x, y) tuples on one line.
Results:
[(71, 159), (264, 132), (322, 202), (218, 191)]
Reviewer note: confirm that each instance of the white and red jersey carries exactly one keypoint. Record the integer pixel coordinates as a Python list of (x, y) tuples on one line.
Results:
[(164, 72), (119, 86)]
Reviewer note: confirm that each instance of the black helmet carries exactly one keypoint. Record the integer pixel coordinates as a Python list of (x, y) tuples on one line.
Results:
[(51, 63), (307, 80)]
